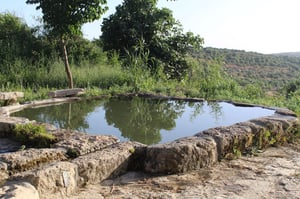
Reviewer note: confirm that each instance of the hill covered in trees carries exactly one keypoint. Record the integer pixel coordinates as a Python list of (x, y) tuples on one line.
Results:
[(271, 71), (289, 54)]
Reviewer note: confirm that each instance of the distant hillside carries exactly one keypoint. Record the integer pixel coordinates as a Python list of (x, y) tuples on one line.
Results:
[(289, 54), (273, 71)]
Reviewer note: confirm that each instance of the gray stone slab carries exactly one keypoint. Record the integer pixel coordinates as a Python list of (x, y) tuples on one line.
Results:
[(109, 162), (181, 155), (57, 177), (82, 143), (31, 158)]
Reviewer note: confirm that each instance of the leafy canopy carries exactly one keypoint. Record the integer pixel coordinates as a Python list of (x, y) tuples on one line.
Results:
[(16, 39), (137, 22), (66, 17)]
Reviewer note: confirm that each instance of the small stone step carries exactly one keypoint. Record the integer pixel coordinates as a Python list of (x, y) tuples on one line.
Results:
[(28, 159), (66, 93), (82, 143)]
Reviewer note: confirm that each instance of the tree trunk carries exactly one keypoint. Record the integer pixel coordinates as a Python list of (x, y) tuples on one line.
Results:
[(66, 61)]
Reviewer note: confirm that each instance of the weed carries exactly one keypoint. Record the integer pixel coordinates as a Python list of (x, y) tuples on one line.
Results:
[(72, 153), (131, 150), (236, 149), (33, 135)]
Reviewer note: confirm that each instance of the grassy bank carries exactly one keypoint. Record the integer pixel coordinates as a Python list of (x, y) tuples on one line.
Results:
[(205, 80)]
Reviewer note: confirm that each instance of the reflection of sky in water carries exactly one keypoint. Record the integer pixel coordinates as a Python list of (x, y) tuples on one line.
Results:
[(191, 118), (227, 115)]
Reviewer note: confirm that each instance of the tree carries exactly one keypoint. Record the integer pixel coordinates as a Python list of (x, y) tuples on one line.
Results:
[(65, 19), (16, 39), (161, 35)]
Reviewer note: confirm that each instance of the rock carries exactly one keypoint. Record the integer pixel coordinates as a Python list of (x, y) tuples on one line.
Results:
[(82, 143), (8, 145), (18, 190), (67, 92), (231, 139), (181, 155), (107, 163), (242, 104), (7, 124), (287, 112), (59, 177), (51, 101), (3, 171), (10, 97), (277, 130), (31, 158), (231, 142), (6, 110)]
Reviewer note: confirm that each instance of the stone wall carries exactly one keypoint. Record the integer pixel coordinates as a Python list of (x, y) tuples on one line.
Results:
[(208, 147)]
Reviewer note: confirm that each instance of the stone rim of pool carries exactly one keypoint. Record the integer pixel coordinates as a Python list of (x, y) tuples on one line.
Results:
[(164, 138)]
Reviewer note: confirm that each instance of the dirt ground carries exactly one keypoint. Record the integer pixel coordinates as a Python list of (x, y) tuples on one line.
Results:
[(274, 173)]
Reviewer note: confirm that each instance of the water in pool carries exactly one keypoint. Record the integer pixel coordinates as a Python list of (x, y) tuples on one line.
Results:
[(148, 121)]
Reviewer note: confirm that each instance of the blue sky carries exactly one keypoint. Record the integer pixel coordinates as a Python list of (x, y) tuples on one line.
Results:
[(265, 26)]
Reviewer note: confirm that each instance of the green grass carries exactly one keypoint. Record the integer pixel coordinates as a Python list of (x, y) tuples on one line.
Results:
[(33, 135)]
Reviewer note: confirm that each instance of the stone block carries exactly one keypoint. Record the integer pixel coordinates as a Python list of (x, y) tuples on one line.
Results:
[(82, 143), (109, 162), (277, 130), (181, 155), (8, 145), (58, 177), (10, 97), (231, 139), (31, 158), (66, 93), (7, 124)]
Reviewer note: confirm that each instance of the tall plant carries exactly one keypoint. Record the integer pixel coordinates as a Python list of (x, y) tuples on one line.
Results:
[(65, 19), (16, 40)]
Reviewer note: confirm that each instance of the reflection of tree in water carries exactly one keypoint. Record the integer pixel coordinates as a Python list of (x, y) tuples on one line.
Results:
[(142, 119), (215, 110), (68, 115), (197, 109)]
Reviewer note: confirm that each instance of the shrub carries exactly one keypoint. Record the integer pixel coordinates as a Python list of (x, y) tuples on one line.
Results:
[(73, 153), (33, 135)]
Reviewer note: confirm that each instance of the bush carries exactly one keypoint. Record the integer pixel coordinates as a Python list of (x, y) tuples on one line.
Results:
[(33, 135)]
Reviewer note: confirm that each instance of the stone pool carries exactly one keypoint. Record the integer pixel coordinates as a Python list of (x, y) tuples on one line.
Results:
[(145, 120)]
